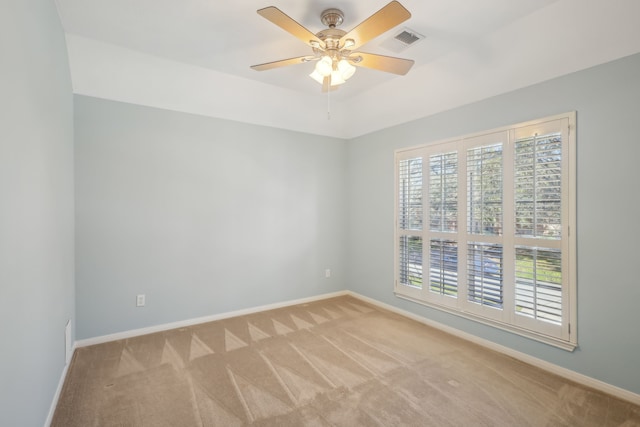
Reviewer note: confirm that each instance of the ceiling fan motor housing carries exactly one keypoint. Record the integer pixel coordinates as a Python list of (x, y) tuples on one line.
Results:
[(331, 37)]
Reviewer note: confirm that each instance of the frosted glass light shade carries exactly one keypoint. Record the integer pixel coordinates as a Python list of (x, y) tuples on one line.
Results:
[(346, 69), (336, 78), (324, 66), (315, 75)]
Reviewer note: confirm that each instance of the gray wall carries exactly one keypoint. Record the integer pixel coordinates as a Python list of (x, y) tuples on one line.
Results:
[(206, 216), (201, 215), (36, 209), (607, 100)]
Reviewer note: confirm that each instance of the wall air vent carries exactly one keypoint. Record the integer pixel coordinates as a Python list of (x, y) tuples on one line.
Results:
[(401, 40)]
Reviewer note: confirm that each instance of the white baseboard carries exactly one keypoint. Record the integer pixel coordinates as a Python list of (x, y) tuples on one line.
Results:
[(547, 366), (56, 396), (198, 320)]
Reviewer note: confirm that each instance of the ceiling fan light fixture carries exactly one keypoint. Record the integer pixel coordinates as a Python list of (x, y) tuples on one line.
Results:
[(324, 66), (333, 48), (336, 78), (315, 75), (346, 69)]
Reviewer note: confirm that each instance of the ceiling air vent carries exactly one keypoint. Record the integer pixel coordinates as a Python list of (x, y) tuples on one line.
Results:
[(402, 40)]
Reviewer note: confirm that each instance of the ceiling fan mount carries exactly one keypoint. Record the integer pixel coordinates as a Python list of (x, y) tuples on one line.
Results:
[(332, 17), (335, 49)]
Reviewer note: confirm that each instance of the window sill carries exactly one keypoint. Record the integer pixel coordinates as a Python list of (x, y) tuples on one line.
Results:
[(555, 342)]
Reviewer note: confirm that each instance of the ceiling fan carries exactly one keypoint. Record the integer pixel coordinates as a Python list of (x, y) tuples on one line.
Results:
[(334, 49)]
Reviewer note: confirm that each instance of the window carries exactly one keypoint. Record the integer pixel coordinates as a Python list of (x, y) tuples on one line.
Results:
[(484, 228)]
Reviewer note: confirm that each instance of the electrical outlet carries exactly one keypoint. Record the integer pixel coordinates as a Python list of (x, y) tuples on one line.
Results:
[(327, 273), (140, 300)]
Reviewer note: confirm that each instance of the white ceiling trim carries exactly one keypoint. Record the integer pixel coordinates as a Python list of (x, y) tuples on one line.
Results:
[(103, 70), (565, 39)]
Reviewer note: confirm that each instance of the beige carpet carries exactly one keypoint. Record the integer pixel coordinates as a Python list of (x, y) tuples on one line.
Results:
[(337, 362)]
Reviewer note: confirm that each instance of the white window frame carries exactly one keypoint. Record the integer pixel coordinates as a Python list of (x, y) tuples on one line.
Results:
[(564, 335)]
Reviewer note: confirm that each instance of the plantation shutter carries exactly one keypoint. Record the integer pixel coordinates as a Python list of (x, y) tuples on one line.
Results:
[(484, 277), (484, 190), (410, 194), (443, 221), (443, 192), (538, 195), (538, 191), (410, 218)]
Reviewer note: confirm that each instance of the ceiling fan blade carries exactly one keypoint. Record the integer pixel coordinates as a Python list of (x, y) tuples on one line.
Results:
[(282, 63), (288, 24), (381, 21), (389, 64)]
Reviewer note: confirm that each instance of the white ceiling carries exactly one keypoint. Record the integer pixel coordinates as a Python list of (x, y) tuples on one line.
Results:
[(194, 56)]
